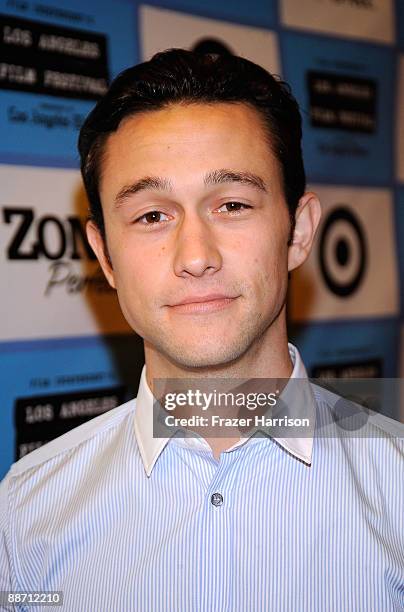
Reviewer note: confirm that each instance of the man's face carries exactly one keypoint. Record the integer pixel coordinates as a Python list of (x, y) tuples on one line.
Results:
[(194, 206)]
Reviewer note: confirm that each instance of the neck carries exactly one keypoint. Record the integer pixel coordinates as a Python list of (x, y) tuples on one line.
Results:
[(267, 358)]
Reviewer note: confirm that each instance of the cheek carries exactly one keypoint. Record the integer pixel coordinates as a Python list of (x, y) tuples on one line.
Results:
[(270, 252), (271, 271), (139, 272)]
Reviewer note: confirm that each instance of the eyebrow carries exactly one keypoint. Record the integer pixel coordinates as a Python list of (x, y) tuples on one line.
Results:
[(154, 183), (215, 177), (218, 177)]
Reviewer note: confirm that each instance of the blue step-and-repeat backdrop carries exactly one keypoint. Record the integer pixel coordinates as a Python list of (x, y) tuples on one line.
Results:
[(66, 354)]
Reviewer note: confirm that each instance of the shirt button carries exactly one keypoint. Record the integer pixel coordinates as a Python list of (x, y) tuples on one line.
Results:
[(217, 499)]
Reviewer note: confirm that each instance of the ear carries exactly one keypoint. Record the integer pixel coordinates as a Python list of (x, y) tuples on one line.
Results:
[(307, 218), (99, 247)]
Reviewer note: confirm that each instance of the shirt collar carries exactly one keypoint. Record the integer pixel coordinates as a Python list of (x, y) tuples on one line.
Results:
[(151, 447)]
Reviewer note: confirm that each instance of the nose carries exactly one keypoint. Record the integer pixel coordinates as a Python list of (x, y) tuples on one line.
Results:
[(196, 249)]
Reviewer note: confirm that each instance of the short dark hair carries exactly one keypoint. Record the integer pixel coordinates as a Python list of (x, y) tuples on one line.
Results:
[(180, 76)]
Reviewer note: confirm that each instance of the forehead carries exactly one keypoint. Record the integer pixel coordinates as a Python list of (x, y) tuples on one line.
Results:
[(185, 139)]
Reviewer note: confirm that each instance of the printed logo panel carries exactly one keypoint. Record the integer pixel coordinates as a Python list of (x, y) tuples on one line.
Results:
[(371, 368), (358, 350), (55, 286), (362, 19), (54, 64), (349, 349), (342, 103), (41, 418), (345, 275), (345, 92), (162, 29), (50, 386), (43, 59)]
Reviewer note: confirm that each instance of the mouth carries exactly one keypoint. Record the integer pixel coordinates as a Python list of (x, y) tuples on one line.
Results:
[(203, 305)]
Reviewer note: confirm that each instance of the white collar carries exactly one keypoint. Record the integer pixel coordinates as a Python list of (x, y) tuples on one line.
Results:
[(151, 447)]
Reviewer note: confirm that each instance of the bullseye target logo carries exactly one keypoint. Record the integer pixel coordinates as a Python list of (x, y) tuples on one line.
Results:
[(352, 269), (342, 252)]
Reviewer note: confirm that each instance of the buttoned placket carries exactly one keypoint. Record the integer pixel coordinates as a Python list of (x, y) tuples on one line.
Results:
[(217, 527)]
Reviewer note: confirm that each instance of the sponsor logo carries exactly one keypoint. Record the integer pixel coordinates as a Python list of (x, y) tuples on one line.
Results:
[(40, 419), (372, 368), (52, 238), (342, 252), (63, 241), (342, 102), (41, 58)]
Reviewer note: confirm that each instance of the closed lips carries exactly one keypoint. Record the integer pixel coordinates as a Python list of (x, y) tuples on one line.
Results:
[(204, 298)]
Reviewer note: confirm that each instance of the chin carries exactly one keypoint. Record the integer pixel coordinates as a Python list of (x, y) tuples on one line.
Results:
[(211, 347), (200, 358)]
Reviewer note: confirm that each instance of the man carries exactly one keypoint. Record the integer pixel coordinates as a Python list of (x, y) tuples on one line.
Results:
[(193, 169)]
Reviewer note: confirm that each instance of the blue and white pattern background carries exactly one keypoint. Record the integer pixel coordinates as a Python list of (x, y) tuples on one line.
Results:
[(345, 63)]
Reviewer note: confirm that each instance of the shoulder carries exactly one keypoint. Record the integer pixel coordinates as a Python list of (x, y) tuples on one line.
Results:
[(61, 483), (93, 431), (358, 430)]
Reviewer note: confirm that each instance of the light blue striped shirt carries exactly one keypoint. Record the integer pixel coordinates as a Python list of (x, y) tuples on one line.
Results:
[(121, 521)]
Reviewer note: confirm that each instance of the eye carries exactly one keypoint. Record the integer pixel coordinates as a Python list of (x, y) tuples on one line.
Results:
[(151, 218), (235, 207)]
